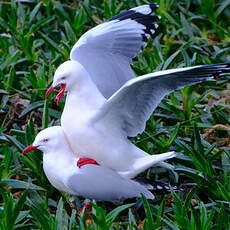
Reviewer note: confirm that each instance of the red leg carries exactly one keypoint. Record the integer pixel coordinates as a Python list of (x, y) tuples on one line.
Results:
[(85, 161), (87, 208)]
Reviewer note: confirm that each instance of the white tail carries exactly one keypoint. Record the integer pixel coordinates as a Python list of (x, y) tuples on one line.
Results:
[(141, 164)]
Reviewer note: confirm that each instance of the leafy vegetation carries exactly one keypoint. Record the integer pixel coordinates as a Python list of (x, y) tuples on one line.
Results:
[(36, 36)]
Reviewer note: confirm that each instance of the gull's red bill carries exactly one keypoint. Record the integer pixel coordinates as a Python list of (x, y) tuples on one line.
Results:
[(60, 93), (29, 148), (49, 90)]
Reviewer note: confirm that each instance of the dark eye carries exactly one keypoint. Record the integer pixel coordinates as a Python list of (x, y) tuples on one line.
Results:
[(45, 140), (63, 78)]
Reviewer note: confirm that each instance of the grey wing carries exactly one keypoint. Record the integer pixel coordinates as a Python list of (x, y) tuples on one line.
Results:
[(104, 184), (106, 50), (133, 104)]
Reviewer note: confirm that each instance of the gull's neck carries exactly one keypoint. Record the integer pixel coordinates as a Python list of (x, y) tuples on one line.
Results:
[(84, 95), (59, 165), (61, 155)]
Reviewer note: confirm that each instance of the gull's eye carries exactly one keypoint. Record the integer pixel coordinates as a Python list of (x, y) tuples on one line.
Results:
[(45, 140), (62, 78)]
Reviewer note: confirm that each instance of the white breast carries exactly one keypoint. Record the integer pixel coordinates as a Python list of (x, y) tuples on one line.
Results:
[(58, 171)]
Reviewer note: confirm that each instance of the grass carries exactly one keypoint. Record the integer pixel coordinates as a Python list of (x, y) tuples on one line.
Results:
[(36, 36)]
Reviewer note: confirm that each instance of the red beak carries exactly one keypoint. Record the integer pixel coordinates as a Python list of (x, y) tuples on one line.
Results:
[(60, 94), (29, 148), (49, 90)]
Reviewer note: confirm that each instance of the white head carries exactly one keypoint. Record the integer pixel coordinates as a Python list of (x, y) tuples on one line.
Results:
[(67, 76), (53, 140), (48, 140)]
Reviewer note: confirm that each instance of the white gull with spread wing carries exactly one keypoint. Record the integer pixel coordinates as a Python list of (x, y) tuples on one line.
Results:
[(98, 128), (96, 124)]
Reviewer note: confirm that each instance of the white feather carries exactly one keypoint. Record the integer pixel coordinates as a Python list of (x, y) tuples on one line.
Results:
[(145, 9)]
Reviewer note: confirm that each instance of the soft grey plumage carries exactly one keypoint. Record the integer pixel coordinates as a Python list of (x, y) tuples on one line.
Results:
[(104, 184)]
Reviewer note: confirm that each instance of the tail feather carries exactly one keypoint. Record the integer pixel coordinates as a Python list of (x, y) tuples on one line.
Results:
[(143, 163), (165, 165)]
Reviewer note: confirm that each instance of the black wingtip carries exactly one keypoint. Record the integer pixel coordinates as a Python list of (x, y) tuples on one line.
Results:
[(153, 6), (165, 188), (205, 72), (136, 12), (158, 186), (142, 15), (217, 70)]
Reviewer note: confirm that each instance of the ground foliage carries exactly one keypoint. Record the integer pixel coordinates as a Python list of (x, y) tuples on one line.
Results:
[(36, 36)]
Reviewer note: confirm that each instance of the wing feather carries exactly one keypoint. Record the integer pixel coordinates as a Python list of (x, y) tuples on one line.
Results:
[(106, 50), (131, 106), (104, 184)]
